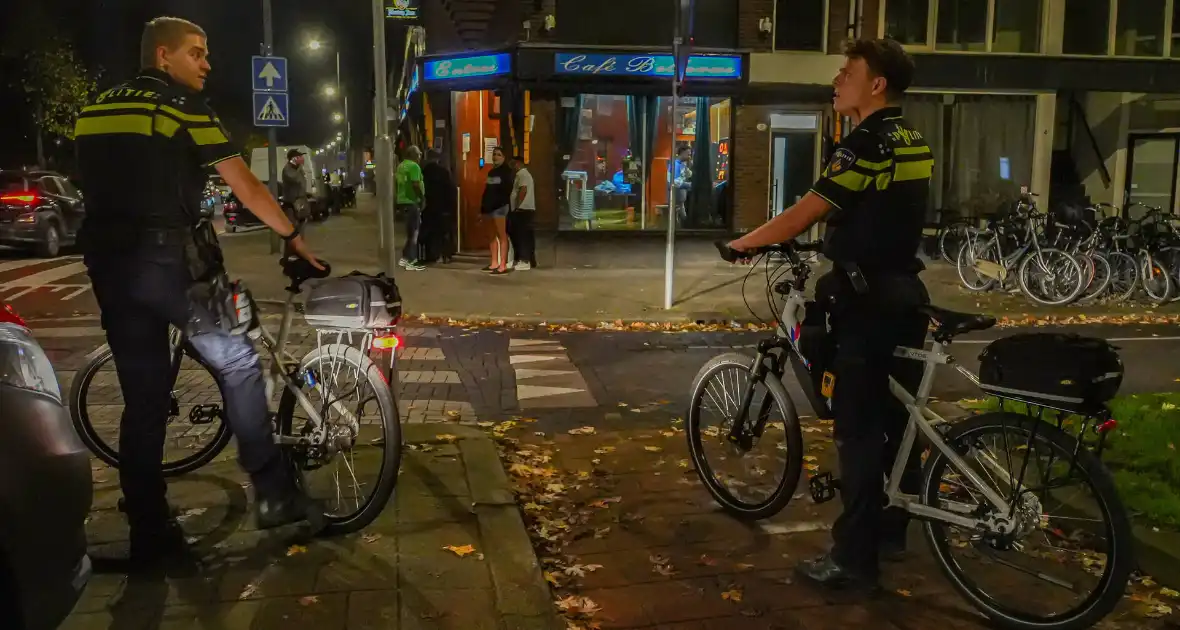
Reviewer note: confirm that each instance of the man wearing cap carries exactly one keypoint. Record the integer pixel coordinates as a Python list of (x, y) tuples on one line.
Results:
[(294, 191)]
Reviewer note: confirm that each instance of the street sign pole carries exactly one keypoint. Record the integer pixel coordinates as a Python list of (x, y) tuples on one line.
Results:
[(272, 136), (682, 26), (382, 146)]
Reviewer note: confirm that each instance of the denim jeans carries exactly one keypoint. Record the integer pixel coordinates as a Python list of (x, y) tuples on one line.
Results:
[(413, 213), (140, 292)]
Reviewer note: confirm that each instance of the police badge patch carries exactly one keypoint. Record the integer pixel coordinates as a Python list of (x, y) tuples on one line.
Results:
[(842, 160)]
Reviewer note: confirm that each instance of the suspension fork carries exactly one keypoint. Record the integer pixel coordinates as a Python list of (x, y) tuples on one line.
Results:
[(741, 433)]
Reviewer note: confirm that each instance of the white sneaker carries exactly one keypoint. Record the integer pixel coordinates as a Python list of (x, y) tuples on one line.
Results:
[(402, 263), (522, 266)]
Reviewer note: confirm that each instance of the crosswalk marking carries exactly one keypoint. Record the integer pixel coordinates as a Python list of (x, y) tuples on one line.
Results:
[(29, 262), (47, 276)]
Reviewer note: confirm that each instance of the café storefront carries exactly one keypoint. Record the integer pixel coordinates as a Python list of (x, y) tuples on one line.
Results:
[(598, 129)]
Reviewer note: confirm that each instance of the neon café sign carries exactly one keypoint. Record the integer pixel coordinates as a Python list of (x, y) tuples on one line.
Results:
[(468, 67), (646, 65)]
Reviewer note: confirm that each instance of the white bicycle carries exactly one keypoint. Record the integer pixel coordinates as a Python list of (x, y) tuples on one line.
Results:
[(985, 504)]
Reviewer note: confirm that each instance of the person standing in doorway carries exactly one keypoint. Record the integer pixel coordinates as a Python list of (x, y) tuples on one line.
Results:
[(411, 193), (520, 219), (438, 215), (681, 175), (497, 200)]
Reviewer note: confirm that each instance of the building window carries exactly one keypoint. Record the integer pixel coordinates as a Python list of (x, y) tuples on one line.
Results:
[(1017, 26), (1175, 29), (1087, 27), (908, 21), (799, 25), (621, 160), (962, 25), (1139, 28), (1003, 26)]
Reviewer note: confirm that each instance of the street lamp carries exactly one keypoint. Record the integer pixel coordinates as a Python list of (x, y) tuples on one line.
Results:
[(337, 117), (329, 90), (315, 44)]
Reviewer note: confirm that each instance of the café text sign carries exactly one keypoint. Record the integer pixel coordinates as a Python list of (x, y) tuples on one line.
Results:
[(468, 67), (647, 65)]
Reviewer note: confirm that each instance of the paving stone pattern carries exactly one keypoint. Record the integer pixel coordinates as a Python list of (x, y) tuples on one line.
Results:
[(396, 574)]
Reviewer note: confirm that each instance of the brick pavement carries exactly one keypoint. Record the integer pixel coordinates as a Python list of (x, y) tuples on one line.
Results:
[(395, 574)]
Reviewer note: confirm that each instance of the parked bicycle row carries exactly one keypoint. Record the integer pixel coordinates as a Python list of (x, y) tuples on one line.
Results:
[(1096, 255)]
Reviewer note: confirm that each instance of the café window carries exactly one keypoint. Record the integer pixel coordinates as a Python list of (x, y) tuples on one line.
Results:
[(621, 153), (800, 24), (1001, 26)]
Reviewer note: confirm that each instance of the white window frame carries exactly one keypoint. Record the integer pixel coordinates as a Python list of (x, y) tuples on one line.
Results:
[(990, 30), (1114, 33), (823, 48)]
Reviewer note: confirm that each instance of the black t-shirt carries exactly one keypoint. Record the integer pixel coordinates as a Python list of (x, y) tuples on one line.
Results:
[(497, 193), (878, 182), (145, 149)]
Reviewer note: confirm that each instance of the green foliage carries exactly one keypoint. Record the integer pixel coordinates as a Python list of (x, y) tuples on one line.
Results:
[(57, 86)]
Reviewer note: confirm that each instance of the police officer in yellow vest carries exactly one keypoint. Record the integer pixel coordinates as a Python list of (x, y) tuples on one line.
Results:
[(145, 151), (873, 195)]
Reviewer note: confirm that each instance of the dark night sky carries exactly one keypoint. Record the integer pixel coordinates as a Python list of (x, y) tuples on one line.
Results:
[(107, 35)]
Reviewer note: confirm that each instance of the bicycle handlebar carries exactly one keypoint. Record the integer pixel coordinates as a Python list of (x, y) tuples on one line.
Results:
[(790, 249), (299, 269)]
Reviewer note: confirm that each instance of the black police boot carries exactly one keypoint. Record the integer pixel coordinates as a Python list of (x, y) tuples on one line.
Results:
[(893, 551), (161, 547), (281, 499), (826, 572)]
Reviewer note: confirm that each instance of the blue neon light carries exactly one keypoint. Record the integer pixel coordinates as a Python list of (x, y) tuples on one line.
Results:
[(646, 65), (468, 67)]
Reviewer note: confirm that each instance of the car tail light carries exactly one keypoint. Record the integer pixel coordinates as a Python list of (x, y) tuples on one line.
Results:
[(231, 206), (20, 198), (8, 315), (388, 342)]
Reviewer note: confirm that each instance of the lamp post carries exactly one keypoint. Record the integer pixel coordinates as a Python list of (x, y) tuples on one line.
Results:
[(338, 89)]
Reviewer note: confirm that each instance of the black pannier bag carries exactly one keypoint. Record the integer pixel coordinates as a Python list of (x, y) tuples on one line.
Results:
[(1062, 371), (354, 302)]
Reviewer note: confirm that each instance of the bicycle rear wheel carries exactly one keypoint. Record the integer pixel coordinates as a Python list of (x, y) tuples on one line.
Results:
[(718, 388), (359, 441), (1079, 556), (196, 432)]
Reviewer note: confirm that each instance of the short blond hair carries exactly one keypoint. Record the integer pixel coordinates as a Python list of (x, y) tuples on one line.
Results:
[(168, 32)]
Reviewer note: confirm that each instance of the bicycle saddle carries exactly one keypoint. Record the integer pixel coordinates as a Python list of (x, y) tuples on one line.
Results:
[(950, 324), (300, 270)]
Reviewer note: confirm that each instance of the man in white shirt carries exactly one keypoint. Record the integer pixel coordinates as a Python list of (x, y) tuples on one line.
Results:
[(520, 219)]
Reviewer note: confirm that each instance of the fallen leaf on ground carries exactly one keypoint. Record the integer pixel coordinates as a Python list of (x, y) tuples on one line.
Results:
[(1147, 581), (652, 449), (601, 503), (706, 561), (295, 550), (460, 551), (580, 570), (524, 470), (371, 538), (582, 431), (446, 437), (668, 433), (601, 532), (1167, 592), (742, 566), (903, 592), (308, 600), (732, 595), (551, 578), (683, 463), (604, 450), (810, 458), (249, 591), (578, 605), (485, 425)]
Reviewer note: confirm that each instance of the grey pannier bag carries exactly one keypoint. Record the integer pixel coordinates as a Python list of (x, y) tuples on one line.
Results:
[(354, 302)]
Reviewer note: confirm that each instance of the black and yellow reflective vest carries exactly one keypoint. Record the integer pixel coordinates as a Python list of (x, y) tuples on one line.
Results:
[(878, 182)]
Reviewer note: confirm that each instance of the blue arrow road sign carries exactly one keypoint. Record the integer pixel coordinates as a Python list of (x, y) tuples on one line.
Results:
[(269, 74), (271, 109)]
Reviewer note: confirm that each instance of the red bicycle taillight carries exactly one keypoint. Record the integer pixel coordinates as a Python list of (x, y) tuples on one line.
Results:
[(8, 316), (1108, 426), (391, 342)]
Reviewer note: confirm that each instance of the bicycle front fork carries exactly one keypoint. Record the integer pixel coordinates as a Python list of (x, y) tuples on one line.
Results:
[(742, 433)]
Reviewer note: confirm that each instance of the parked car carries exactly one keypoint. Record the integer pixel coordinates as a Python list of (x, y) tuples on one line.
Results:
[(39, 210), (45, 488), (237, 215)]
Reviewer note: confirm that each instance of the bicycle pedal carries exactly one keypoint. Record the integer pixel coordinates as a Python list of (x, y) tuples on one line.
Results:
[(823, 487)]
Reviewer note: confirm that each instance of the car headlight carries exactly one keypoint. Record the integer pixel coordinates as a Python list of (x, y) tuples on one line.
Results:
[(23, 363)]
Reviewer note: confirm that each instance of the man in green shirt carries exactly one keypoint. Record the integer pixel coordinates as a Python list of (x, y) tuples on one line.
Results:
[(410, 198)]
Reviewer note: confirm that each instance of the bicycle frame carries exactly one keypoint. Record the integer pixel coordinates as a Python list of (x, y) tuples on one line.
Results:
[(921, 418)]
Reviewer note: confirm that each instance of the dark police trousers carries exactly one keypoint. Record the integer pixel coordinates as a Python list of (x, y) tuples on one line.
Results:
[(869, 421), (141, 291)]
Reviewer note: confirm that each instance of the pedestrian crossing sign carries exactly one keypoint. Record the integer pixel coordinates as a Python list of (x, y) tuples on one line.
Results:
[(271, 109)]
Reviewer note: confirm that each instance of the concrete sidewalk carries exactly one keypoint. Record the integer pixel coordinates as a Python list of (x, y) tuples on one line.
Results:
[(594, 281), (397, 573)]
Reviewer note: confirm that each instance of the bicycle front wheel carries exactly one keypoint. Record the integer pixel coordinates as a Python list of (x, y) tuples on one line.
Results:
[(196, 430), (1155, 278), (358, 443), (1065, 558), (1051, 277), (755, 480)]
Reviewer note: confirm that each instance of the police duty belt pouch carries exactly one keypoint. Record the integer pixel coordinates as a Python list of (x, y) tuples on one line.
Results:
[(818, 347), (354, 302), (1057, 370)]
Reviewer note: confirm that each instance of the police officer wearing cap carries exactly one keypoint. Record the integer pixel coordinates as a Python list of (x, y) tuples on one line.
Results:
[(873, 194), (294, 191), (154, 261)]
